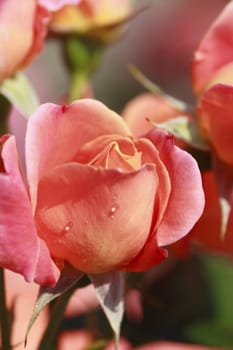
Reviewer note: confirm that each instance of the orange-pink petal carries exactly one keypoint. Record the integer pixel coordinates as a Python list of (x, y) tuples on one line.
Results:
[(19, 245), (214, 51), (96, 219), (56, 133), (215, 119), (186, 200), (47, 273)]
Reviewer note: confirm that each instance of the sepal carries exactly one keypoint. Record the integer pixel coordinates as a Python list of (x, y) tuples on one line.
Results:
[(109, 289)]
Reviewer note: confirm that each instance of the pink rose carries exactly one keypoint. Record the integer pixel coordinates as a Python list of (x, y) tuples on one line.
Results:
[(215, 119), (212, 78), (23, 30), (213, 59), (99, 199)]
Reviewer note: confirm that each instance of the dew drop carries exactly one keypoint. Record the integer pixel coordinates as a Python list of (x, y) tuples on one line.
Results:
[(67, 227), (113, 210)]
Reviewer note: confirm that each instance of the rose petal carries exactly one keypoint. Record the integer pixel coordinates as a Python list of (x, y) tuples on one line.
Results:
[(148, 257), (16, 22), (19, 246), (56, 133), (40, 30), (111, 151), (186, 201), (151, 155), (215, 118), (47, 273), (97, 219), (214, 51)]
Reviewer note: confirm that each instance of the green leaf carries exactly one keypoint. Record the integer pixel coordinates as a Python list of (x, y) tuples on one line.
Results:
[(215, 329), (69, 277), (109, 289), (19, 91), (184, 129)]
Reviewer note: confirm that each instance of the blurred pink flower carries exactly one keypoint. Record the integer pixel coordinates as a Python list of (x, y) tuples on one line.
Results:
[(21, 298), (215, 53), (212, 78), (23, 31), (91, 15), (78, 340)]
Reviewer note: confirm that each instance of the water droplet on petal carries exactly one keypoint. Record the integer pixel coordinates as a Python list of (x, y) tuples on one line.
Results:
[(67, 227), (113, 210)]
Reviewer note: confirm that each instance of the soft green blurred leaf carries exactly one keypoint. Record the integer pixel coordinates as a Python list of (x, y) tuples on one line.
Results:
[(19, 91), (216, 330)]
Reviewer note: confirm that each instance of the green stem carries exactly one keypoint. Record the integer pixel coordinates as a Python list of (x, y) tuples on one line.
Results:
[(82, 57), (78, 85), (4, 319), (55, 320)]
